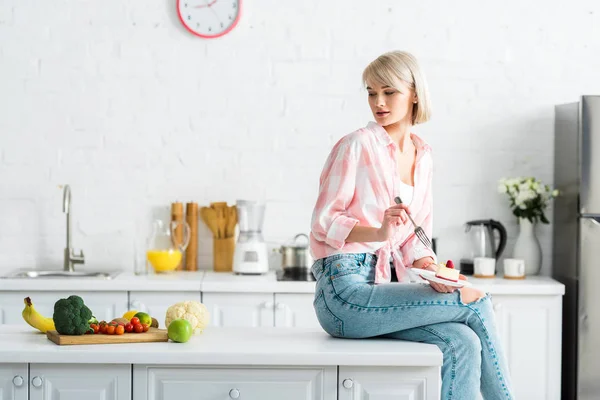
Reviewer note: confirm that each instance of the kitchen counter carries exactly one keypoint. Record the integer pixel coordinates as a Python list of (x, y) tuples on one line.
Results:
[(224, 346), (125, 281), (227, 282), (532, 285), (210, 281)]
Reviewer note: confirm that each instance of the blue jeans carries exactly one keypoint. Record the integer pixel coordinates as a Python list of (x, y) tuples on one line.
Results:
[(349, 305)]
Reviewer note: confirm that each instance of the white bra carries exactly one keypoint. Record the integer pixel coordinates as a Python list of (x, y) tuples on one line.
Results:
[(406, 192)]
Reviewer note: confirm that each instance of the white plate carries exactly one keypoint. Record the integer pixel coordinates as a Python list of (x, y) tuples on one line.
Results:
[(430, 275)]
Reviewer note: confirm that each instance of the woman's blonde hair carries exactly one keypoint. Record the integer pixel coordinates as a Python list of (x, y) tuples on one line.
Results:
[(389, 67)]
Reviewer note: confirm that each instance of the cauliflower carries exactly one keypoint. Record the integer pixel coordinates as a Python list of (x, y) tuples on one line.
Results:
[(194, 312)]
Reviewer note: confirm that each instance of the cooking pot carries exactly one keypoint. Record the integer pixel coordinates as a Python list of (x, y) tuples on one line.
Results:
[(296, 254)]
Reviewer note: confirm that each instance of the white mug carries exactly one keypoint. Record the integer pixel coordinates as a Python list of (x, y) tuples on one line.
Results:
[(484, 267), (514, 268)]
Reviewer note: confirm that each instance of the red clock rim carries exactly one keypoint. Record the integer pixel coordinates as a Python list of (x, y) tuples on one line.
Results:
[(235, 22)]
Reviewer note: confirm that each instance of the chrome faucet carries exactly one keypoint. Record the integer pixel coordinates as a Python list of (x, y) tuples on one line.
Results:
[(70, 257)]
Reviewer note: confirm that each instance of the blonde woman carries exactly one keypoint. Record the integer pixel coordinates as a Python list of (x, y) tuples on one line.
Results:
[(361, 241)]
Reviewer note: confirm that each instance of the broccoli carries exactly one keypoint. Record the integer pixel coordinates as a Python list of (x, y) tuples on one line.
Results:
[(71, 316)]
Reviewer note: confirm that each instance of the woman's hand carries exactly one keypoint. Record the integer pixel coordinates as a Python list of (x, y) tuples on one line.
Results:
[(438, 287), (423, 263), (392, 218)]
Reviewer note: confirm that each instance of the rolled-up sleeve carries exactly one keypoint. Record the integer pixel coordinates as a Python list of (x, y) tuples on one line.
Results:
[(330, 221)]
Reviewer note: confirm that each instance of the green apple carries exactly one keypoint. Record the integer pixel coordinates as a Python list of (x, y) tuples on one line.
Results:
[(180, 330)]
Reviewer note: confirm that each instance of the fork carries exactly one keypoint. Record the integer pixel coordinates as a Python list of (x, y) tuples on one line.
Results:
[(418, 230)]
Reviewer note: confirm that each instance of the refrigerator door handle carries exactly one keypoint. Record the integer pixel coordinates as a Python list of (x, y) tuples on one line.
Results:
[(583, 322), (595, 220)]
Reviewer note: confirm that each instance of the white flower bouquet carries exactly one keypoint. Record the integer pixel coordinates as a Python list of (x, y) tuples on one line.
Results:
[(528, 196)]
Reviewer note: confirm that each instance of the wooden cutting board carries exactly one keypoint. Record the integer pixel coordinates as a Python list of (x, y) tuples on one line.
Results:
[(153, 335)]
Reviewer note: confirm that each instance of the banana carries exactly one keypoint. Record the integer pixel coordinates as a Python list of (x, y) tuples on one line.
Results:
[(35, 319)]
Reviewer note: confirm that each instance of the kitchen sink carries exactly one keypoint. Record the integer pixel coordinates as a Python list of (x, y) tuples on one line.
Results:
[(41, 274)]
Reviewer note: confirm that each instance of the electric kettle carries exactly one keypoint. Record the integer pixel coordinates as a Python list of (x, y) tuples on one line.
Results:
[(483, 242)]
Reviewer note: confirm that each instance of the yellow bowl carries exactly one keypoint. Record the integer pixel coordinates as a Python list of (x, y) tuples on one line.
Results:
[(164, 260)]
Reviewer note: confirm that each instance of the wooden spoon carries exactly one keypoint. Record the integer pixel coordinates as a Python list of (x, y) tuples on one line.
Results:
[(220, 207), (231, 221), (221, 222), (209, 216)]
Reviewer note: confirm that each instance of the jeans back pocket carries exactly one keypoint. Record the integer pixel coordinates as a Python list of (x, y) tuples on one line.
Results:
[(328, 321)]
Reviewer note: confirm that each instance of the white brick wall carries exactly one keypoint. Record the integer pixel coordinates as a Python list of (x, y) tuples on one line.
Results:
[(119, 101)]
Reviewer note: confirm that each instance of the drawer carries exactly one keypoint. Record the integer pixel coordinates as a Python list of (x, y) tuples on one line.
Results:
[(221, 383)]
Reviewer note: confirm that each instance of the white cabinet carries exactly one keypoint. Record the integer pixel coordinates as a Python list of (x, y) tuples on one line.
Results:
[(157, 303), (104, 305), (295, 310), (530, 329), (81, 381), (261, 309), (14, 382), (240, 309), (220, 383), (374, 383)]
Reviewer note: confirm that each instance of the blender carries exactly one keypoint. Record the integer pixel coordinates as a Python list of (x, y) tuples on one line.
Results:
[(250, 254)]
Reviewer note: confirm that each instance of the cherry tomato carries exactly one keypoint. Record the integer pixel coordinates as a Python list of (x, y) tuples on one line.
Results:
[(119, 330), (129, 328), (146, 327), (138, 328), (134, 321), (110, 329), (95, 327)]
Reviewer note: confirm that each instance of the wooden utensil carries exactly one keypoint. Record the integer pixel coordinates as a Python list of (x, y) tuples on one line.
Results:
[(220, 207), (218, 204), (191, 256), (209, 217), (153, 335), (231, 221), (221, 222)]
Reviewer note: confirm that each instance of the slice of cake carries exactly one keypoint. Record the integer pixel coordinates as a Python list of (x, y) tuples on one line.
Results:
[(447, 272)]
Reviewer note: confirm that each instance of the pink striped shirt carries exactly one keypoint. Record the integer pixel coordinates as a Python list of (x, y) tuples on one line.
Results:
[(358, 183)]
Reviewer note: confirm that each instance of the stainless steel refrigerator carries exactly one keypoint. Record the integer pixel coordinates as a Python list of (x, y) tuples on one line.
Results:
[(576, 243)]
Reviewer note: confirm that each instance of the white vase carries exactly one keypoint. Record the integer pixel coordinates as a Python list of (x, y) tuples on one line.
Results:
[(528, 247)]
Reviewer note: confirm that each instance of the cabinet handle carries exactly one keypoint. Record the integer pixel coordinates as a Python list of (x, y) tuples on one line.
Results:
[(280, 306), (268, 304), (498, 307), (36, 381), (348, 383), (234, 394), (18, 381), (136, 305)]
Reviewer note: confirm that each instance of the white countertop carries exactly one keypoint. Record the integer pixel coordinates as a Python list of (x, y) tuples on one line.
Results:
[(224, 346), (210, 281), (227, 282), (125, 281), (532, 285)]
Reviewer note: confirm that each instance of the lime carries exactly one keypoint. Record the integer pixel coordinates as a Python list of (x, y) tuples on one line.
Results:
[(144, 318), (180, 330)]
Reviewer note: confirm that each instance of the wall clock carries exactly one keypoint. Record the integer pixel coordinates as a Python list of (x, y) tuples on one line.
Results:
[(209, 19)]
